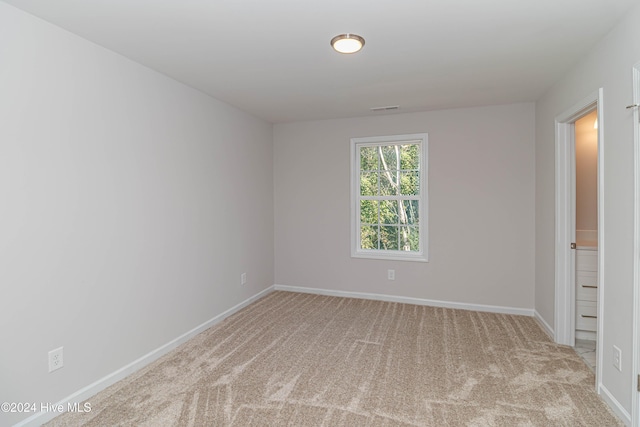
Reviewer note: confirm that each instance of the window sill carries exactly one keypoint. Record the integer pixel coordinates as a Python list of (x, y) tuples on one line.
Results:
[(391, 256)]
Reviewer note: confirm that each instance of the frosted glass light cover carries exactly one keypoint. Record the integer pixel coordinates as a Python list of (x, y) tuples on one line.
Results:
[(347, 43)]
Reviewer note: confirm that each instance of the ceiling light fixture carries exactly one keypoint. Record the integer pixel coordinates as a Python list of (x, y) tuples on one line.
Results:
[(347, 43)]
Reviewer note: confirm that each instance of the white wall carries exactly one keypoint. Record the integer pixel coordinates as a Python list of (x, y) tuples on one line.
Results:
[(481, 207), (607, 66), (129, 206)]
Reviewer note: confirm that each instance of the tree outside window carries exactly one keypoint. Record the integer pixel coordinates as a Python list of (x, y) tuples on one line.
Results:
[(389, 196)]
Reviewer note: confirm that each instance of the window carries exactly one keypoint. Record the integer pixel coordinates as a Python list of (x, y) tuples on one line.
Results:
[(389, 197)]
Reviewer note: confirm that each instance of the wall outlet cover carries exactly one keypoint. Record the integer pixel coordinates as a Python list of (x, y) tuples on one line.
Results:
[(617, 358), (55, 359)]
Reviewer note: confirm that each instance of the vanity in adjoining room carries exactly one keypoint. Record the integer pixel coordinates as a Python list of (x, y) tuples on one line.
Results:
[(586, 289)]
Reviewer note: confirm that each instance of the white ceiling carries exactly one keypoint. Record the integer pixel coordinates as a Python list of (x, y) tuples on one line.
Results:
[(272, 58)]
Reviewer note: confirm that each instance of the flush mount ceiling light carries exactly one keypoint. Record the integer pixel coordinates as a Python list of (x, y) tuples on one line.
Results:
[(347, 43)]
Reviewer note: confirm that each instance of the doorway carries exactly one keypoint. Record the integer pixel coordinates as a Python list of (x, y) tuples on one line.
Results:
[(569, 314), (586, 236)]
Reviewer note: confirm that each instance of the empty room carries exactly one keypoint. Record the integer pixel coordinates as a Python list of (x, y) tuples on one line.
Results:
[(335, 213)]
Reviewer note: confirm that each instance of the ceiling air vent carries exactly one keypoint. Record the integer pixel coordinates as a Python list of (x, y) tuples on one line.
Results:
[(387, 108)]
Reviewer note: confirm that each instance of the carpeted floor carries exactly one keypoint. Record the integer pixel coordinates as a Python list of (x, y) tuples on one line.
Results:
[(308, 360)]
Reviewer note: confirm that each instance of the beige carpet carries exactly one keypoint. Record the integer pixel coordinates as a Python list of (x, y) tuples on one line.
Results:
[(307, 360)]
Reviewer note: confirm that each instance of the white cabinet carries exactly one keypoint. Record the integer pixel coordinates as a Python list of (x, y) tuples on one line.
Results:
[(586, 292), (586, 260)]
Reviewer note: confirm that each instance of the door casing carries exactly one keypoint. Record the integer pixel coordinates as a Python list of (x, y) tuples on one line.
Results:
[(564, 319)]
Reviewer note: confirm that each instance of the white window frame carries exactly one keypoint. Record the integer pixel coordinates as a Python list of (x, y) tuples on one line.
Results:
[(398, 255)]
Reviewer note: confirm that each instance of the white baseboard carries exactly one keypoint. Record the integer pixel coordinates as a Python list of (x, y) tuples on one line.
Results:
[(545, 326), (611, 401), (615, 406), (85, 393), (408, 300), (92, 389)]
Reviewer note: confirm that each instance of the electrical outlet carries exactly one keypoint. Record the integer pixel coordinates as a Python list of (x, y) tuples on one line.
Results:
[(617, 358), (391, 274), (55, 359), (243, 279)]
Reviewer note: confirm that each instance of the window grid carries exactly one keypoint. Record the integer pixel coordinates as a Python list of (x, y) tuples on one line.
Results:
[(390, 169), (389, 197)]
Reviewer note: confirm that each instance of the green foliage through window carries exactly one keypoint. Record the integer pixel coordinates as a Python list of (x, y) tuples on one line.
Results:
[(389, 191)]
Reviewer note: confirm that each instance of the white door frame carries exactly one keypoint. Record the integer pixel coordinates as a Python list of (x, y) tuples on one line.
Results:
[(564, 319), (635, 402)]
